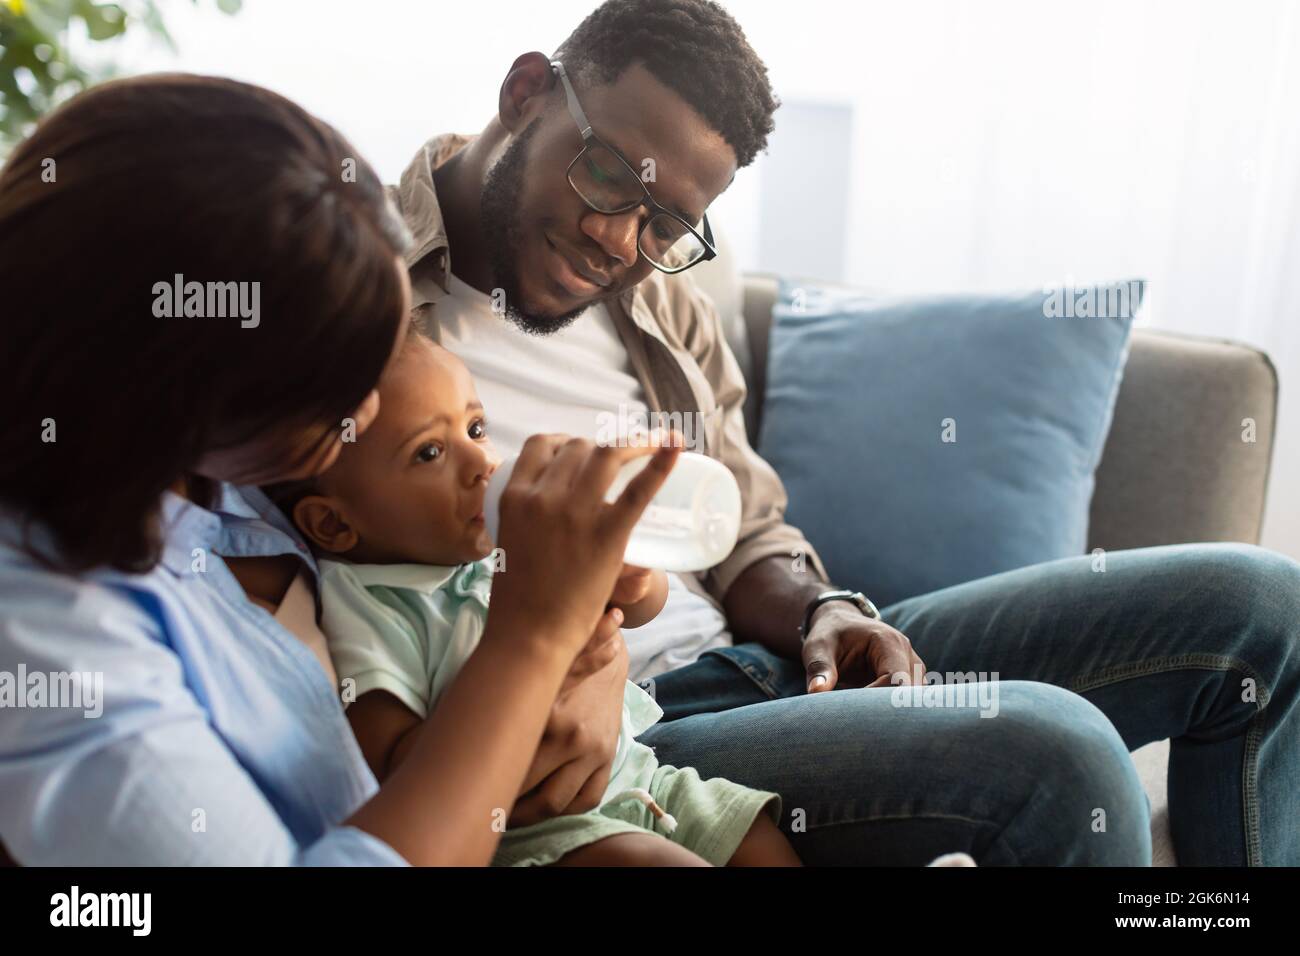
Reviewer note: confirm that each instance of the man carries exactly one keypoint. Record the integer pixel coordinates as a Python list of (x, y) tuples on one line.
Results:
[(552, 254)]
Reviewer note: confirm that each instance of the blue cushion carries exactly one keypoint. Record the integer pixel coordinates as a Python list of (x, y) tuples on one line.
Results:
[(862, 392)]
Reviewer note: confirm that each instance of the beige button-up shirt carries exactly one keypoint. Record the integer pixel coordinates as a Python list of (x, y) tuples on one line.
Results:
[(679, 353)]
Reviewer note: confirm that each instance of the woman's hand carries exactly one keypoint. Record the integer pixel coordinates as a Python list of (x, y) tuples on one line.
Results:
[(602, 649), (563, 544), (563, 547)]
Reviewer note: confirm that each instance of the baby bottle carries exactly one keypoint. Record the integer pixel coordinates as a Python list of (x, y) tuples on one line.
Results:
[(690, 525)]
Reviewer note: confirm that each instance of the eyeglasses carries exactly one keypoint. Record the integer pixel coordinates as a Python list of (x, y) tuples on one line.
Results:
[(603, 180)]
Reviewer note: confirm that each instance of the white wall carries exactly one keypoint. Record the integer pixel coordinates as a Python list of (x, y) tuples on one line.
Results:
[(1004, 143)]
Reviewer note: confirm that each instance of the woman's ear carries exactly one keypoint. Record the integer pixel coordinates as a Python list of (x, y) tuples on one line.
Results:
[(530, 76), (324, 524)]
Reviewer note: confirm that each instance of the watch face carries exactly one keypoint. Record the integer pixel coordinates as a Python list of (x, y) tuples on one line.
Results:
[(857, 598), (863, 602)]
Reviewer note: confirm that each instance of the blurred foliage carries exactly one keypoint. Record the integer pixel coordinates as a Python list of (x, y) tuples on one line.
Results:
[(38, 71)]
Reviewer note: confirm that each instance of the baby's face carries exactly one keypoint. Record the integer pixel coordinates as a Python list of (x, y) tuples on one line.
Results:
[(410, 489)]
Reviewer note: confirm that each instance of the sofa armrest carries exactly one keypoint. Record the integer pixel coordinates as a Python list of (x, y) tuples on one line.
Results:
[(1175, 467)]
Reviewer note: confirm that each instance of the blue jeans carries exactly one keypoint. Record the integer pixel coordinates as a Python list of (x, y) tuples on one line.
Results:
[(1199, 643)]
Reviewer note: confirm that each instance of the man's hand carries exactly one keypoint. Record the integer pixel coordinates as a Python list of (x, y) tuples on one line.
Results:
[(847, 649), (571, 769), (843, 649)]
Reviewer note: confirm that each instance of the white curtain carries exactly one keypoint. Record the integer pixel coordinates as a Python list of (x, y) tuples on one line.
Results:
[(1019, 144)]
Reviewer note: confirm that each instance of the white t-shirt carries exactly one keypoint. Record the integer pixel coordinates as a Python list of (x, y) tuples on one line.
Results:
[(571, 382)]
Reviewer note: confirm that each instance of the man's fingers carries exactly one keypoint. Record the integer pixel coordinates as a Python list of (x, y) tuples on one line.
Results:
[(819, 666), (896, 660), (917, 668)]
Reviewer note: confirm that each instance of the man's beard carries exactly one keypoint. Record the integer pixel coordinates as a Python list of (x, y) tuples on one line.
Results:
[(499, 218)]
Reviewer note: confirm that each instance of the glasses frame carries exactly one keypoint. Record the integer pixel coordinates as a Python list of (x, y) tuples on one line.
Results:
[(590, 139)]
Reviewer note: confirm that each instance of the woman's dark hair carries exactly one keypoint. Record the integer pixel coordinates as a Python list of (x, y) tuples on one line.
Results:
[(109, 394), (693, 47)]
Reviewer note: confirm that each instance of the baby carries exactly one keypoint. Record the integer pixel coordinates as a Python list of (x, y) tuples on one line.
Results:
[(406, 574)]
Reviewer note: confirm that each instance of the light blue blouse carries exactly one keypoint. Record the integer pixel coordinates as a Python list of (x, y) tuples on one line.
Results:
[(221, 740)]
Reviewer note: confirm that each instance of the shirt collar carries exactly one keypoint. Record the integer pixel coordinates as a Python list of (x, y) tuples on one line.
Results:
[(417, 199), (426, 579), (186, 528), (241, 523)]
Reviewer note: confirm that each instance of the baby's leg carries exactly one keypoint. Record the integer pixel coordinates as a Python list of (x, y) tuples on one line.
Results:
[(633, 849), (764, 845)]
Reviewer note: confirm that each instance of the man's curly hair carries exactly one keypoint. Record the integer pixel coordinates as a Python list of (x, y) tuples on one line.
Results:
[(694, 48)]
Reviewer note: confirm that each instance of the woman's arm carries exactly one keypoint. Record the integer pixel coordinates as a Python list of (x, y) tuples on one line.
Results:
[(149, 781), (453, 777), (136, 776), (385, 727)]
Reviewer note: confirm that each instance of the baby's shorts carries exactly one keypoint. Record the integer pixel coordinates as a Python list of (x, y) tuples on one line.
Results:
[(713, 817)]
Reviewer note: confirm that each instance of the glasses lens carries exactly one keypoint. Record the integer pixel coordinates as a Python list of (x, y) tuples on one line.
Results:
[(604, 181), (668, 242)]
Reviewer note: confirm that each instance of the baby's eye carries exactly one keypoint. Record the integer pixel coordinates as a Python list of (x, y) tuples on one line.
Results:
[(478, 429), (429, 452)]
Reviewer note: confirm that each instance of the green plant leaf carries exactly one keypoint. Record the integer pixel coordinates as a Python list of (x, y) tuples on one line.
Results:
[(57, 75), (103, 21)]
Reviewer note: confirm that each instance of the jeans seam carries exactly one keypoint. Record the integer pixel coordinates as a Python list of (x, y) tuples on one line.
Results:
[(749, 670), (1249, 790), (903, 816), (989, 824), (1119, 672)]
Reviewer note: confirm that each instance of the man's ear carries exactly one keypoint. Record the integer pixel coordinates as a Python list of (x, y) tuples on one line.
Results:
[(529, 80), (321, 520)]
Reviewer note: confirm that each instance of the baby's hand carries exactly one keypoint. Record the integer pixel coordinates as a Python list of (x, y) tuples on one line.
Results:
[(633, 585), (640, 593)]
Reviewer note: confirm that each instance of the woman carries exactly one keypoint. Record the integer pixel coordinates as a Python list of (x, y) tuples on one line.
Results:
[(202, 285)]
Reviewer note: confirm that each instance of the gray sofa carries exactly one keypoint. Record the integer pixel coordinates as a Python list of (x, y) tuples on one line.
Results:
[(1174, 468)]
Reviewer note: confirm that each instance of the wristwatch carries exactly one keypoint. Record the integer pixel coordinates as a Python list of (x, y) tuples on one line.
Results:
[(857, 598)]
